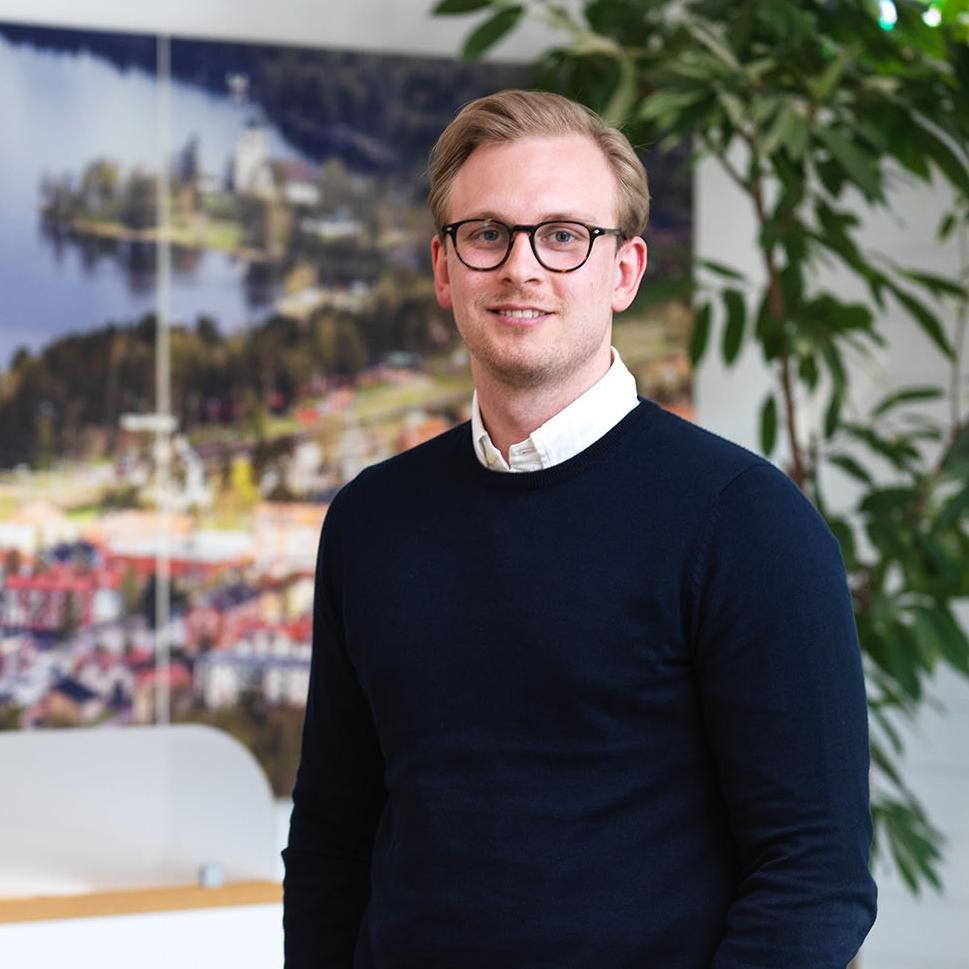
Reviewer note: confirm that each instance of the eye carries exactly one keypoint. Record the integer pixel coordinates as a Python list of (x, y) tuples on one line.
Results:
[(563, 236), (483, 235)]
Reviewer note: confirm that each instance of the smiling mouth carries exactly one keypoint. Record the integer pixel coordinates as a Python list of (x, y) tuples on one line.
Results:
[(526, 315)]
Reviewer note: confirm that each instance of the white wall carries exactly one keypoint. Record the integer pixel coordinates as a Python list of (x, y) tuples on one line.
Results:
[(381, 25), (240, 937), (908, 935)]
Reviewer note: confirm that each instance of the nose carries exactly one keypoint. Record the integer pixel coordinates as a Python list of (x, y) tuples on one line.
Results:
[(521, 264)]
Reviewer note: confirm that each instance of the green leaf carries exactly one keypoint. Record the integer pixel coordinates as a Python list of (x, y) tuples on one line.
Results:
[(846, 539), (733, 107), (927, 639), (889, 502), (757, 68), (832, 357), (768, 426), (853, 316), (707, 36), (558, 18), (928, 322), (826, 83), (955, 508), (789, 131), (832, 175), (796, 135), (775, 134), (459, 6), (858, 165), (769, 330), (699, 68), (733, 333), (946, 226), (904, 397), (720, 269), (888, 696), (904, 659), (951, 165), (887, 728), (952, 641), (664, 103), (807, 370), (957, 460), (834, 234), (832, 414), (880, 759), (913, 842), (937, 284), (624, 95), (491, 31), (700, 334), (850, 466)]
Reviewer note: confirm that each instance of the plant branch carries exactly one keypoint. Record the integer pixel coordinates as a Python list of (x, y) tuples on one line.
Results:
[(962, 321), (754, 189), (721, 156), (778, 310)]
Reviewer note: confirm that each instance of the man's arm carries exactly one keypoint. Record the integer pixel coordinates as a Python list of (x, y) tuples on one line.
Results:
[(339, 792), (782, 692)]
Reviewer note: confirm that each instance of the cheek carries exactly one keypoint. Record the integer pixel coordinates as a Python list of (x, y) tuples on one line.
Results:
[(593, 292), (467, 292)]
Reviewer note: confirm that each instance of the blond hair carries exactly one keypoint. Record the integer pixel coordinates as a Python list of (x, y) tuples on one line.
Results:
[(513, 114)]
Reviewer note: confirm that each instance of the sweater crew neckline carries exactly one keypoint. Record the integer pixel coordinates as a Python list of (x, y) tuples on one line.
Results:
[(526, 480)]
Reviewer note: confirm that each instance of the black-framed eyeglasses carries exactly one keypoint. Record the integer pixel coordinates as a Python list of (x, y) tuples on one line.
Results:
[(559, 246)]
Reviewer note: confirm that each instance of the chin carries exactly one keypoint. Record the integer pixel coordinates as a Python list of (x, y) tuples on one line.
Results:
[(523, 370)]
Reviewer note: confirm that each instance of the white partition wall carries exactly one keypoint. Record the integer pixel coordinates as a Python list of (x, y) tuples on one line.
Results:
[(133, 807)]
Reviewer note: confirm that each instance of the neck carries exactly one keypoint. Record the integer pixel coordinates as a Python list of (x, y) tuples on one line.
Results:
[(511, 414)]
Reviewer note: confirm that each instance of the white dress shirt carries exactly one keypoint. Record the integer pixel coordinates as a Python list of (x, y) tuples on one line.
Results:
[(570, 431)]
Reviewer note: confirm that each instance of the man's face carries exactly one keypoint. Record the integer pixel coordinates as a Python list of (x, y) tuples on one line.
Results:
[(525, 182)]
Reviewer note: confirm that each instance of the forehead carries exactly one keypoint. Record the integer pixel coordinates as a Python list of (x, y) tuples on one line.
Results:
[(533, 178)]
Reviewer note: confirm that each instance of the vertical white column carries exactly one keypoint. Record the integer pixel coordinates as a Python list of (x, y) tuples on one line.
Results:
[(163, 434)]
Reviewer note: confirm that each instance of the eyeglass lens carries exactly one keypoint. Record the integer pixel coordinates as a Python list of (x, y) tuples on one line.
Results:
[(558, 245)]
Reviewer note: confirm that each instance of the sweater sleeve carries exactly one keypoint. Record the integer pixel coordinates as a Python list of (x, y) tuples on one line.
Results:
[(781, 687), (339, 792)]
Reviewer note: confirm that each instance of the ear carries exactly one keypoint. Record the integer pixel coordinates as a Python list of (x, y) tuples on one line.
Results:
[(442, 279), (630, 266)]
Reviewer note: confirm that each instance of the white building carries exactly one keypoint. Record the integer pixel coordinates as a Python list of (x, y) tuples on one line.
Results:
[(267, 661), (251, 173)]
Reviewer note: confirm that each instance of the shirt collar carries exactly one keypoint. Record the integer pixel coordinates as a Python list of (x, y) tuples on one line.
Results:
[(569, 431)]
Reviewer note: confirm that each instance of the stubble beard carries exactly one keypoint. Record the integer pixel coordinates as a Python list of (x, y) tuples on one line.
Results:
[(527, 370)]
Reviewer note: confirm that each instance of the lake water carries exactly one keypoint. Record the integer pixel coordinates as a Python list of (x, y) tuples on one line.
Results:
[(60, 111)]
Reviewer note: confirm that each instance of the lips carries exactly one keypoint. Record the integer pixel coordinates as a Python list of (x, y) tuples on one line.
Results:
[(519, 314)]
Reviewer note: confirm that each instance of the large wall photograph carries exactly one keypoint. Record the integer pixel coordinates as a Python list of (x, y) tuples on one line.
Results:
[(217, 309)]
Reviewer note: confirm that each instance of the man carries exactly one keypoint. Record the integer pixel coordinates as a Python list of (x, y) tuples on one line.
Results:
[(586, 688)]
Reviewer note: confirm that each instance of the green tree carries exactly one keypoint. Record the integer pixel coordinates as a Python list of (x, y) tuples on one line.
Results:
[(99, 189), (10, 717), (139, 202)]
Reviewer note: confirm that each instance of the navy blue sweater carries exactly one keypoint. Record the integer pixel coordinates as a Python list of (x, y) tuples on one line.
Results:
[(609, 714)]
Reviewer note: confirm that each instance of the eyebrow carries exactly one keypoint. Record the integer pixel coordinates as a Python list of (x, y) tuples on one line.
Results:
[(492, 216)]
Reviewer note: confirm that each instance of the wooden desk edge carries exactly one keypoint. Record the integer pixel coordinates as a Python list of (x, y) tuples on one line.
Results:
[(138, 900)]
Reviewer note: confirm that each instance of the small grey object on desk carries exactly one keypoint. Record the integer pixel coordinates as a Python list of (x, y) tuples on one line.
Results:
[(211, 875)]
